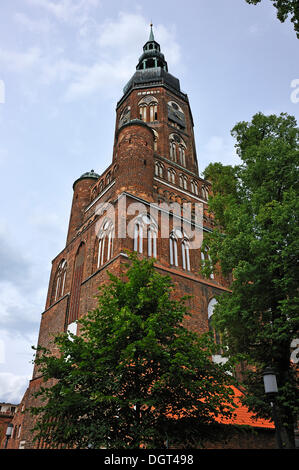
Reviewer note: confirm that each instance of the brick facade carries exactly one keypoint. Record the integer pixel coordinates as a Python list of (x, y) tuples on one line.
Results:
[(154, 165)]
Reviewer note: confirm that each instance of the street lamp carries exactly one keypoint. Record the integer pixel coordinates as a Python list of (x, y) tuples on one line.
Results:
[(270, 382), (8, 433), (271, 391)]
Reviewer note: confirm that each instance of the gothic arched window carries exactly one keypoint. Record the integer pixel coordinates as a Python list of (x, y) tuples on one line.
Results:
[(76, 284), (148, 109), (124, 116), (176, 115), (156, 137), (59, 282), (171, 175), (183, 181), (177, 149), (106, 236), (177, 238), (173, 249), (194, 187), (205, 192), (159, 169), (145, 235), (185, 254)]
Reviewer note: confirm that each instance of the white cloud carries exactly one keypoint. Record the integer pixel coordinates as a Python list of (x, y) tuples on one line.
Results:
[(66, 10), (40, 25), (111, 50), (219, 149), (130, 31), (12, 387), (19, 61), (118, 43)]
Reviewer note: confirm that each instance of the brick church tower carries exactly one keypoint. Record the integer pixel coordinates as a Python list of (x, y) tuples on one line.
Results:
[(138, 204)]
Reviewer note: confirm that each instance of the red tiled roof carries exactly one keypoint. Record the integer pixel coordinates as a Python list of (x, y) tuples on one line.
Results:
[(243, 416)]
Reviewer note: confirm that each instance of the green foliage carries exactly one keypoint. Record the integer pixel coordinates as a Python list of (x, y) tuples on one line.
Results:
[(285, 9), (258, 243), (133, 370)]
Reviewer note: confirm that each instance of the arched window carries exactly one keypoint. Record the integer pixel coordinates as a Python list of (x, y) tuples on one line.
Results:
[(76, 284), (148, 109), (124, 116), (185, 254), (171, 175), (59, 281), (172, 151), (176, 115), (194, 187), (173, 249), (106, 237), (143, 112), (145, 235), (153, 111), (183, 181), (159, 169), (152, 241), (177, 237), (205, 192), (182, 158), (177, 149), (156, 137), (138, 237)]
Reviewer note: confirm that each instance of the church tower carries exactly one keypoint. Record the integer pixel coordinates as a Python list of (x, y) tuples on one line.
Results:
[(138, 203)]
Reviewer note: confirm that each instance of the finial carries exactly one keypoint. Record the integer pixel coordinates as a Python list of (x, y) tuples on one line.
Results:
[(151, 38)]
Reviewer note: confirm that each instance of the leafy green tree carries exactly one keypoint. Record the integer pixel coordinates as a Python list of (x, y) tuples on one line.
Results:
[(285, 8), (134, 375), (256, 206)]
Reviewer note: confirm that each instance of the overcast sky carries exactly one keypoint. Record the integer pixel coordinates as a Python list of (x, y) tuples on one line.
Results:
[(63, 65)]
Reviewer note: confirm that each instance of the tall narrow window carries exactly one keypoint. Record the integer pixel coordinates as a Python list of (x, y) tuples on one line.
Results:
[(205, 192), (183, 181), (143, 113), (59, 281), (171, 175), (106, 237), (182, 155), (159, 169), (145, 235), (173, 249), (152, 241), (76, 284), (177, 149), (156, 136), (185, 255), (153, 112), (172, 150), (148, 108), (138, 237), (194, 187)]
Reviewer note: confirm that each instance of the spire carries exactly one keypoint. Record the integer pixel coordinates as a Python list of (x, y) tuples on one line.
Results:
[(151, 36), (152, 56)]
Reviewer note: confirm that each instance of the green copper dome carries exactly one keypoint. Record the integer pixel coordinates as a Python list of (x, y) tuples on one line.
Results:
[(88, 175), (152, 68)]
